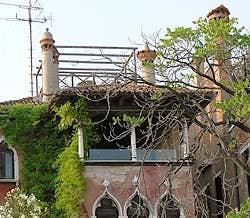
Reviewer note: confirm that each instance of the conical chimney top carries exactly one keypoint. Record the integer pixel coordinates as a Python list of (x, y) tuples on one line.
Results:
[(146, 54), (218, 13), (47, 38)]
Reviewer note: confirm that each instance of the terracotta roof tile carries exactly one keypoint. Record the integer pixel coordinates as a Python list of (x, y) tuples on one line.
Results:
[(120, 88), (27, 100), (87, 89), (130, 88)]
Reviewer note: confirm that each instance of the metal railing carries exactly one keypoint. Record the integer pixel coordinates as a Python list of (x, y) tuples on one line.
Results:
[(93, 64)]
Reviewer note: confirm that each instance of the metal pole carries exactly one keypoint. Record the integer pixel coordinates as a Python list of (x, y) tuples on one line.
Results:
[(72, 80), (29, 7), (31, 49), (94, 47), (37, 91), (135, 68)]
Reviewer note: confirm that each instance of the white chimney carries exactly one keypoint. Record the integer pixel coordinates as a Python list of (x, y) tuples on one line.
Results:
[(50, 76), (147, 58)]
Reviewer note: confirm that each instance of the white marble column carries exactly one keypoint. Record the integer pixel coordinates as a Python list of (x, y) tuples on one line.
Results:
[(80, 143), (133, 143), (185, 144)]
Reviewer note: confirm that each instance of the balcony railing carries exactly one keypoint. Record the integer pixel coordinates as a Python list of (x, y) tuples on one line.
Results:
[(125, 154)]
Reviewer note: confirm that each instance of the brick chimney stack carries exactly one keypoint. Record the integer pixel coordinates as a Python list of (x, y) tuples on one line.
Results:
[(50, 76), (218, 13), (222, 66), (147, 58)]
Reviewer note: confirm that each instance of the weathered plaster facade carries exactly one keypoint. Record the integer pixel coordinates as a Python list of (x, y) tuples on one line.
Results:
[(152, 185)]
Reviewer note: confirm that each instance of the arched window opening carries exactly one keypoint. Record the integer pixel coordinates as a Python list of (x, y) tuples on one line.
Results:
[(106, 208), (6, 162), (168, 208), (137, 208)]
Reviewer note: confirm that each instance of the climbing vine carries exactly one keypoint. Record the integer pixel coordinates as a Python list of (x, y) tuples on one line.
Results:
[(47, 145), (38, 141), (70, 183)]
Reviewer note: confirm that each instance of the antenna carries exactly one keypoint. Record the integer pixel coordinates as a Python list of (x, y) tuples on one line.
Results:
[(30, 20)]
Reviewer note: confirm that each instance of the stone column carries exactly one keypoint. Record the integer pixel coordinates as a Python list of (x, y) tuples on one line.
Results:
[(133, 143), (185, 143), (80, 143)]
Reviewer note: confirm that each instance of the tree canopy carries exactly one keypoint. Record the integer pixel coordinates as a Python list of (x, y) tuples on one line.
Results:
[(213, 55)]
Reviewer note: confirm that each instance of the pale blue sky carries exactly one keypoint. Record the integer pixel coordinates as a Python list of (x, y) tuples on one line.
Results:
[(94, 22)]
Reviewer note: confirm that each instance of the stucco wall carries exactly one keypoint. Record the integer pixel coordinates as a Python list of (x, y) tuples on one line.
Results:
[(152, 186), (4, 188)]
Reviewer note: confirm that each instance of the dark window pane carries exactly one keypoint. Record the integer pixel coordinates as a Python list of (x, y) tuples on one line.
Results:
[(219, 196), (137, 209), (168, 209), (6, 164), (107, 209)]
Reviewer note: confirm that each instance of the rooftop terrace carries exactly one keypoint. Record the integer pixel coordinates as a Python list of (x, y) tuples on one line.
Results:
[(93, 65)]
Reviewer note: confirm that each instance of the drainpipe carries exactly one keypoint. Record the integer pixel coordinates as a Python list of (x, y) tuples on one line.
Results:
[(80, 143), (133, 143)]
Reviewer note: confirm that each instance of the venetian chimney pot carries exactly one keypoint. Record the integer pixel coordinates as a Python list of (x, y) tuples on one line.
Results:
[(147, 57), (218, 13), (50, 75)]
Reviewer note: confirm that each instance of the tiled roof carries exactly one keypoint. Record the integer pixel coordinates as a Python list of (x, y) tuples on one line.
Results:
[(97, 93), (129, 89), (27, 100), (132, 88), (86, 89)]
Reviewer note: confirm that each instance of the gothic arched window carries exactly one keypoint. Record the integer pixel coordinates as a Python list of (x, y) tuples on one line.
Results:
[(168, 208), (137, 208), (107, 208), (6, 162)]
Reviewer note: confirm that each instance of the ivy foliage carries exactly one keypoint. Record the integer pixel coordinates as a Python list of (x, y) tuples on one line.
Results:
[(47, 146), (18, 121), (32, 130), (70, 183), (73, 114)]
